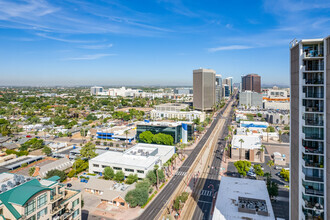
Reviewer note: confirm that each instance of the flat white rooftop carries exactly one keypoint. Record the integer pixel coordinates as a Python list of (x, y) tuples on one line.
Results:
[(141, 156), (230, 189), (249, 142)]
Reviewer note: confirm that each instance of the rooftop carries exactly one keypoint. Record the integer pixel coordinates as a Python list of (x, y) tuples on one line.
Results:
[(243, 199), (249, 142), (140, 155)]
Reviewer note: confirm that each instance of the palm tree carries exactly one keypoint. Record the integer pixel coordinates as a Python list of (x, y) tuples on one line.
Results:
[(279, 136), (126, 132), (267, 130), (262, 149), (156, 170), (240, 149), (270, 163)]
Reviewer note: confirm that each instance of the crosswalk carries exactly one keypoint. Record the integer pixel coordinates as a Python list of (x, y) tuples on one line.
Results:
[(180, 173), (206, 193)]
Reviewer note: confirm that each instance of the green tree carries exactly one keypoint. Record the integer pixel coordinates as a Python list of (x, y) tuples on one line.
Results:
[(151, 176), (177, 204), (285, 174), (119, 176), (88, 151), (47, 150), (132, 178), (145, 183), (270, 163), (272, 188), (109, 173), (31, 171), (58, 173), (137, 197), (242, 166), (146, 137), (258, 170), (240, 149), (163, 139)]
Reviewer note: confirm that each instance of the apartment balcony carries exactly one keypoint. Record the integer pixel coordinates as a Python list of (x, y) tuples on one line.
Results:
[(311, 164), (313, 82), (313, 95), (312, 147), (56, 209), (56, 197), (313, 122), (311, 191), (313, 54), (313, 205), (308, 150), (314, 178), (313, 68)]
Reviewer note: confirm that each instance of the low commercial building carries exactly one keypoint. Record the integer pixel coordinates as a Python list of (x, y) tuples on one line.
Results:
[(250, 99), (277, 118), (180, 131), (253, 124), (110, 192), (176, 111), (247, 148), (4, 157), (240, 198), (60, 164), (276, 105), (117, 133), (139, 159), (279, 159), (24, 197)]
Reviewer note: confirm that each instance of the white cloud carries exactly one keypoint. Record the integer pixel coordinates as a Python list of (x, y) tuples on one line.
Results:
[(90, 57), (230, 47)]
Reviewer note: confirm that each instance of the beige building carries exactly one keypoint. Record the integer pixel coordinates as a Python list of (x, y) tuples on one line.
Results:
[(29, 198), (109, 191), (204, 89), (245, 147)]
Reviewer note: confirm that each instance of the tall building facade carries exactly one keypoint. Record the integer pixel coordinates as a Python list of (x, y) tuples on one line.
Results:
[(310, 131), (96, 90), (251, 82), (229, 81), (218, 88), (204, 89)]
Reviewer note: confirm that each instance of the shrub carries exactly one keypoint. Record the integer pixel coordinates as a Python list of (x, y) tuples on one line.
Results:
[(24, 165)]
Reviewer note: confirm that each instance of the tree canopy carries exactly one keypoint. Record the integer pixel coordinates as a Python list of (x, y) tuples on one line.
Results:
[(242, 166), (58, 173), (108, 173), (88, 151)]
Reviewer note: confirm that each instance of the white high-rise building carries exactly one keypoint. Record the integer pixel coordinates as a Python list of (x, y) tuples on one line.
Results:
[(96, 89), (310, 129)]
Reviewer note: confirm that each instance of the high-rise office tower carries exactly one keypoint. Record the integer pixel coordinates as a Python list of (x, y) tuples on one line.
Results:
[(251, 82), (218, 88), (310, 131), (96, 89), (229, 81), (204, 89)]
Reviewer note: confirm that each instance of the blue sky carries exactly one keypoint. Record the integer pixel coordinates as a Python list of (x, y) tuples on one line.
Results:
[(148, 42)]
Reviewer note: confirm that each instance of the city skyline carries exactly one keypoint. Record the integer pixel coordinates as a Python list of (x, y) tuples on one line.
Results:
[(155, 43)]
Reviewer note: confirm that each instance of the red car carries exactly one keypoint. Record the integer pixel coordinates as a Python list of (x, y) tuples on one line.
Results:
[(28, 136)]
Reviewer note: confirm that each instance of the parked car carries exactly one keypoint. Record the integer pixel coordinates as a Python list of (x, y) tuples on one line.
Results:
[(251, 174), (28, 136), (69, 185)]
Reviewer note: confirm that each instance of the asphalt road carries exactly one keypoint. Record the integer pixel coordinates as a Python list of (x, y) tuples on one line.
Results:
[(211, 186), (161, 200)]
